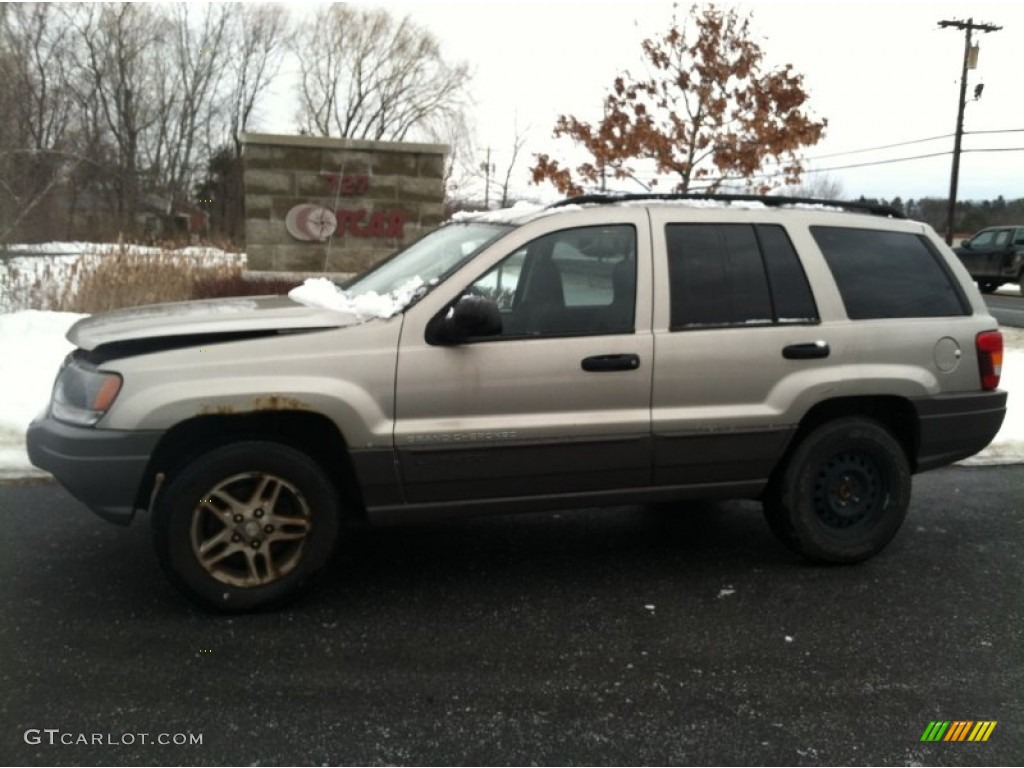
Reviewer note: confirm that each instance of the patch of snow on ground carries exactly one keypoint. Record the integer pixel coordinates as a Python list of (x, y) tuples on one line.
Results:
[(321, 292), (32, 346), (1010, 289)]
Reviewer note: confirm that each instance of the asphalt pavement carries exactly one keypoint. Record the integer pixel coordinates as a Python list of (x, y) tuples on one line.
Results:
[(664, 635), (1008, 310)]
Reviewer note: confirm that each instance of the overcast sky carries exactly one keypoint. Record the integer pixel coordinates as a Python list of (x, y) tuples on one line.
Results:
[(881, 73)]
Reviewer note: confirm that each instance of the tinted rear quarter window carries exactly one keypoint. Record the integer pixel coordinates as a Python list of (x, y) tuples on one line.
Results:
[(888, 274), (790, 291)]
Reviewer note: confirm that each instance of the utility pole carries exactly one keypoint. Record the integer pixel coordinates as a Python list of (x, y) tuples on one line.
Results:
[(968, 26), (488, 169)]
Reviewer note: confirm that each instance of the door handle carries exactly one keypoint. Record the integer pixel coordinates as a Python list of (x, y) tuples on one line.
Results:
[(610, 363), (806, 351)]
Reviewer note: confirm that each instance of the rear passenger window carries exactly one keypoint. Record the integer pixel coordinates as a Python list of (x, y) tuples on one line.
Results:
[(888, 274), (735, 274)]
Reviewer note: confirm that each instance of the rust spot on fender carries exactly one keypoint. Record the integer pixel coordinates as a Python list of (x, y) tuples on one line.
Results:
[(278, 403), (221, 410), (271, 402)]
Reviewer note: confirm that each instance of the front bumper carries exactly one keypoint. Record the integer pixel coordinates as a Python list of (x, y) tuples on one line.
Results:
[(953, 427), (101, 468)]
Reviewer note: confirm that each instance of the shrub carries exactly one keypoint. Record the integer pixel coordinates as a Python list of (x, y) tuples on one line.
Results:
[(98, 281), (215, 286)]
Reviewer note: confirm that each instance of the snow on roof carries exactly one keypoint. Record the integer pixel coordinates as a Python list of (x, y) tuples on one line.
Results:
[(523, 212), (517, 214)]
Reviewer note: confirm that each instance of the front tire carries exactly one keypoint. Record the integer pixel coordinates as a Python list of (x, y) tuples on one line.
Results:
[(246, 526), (843, 494)]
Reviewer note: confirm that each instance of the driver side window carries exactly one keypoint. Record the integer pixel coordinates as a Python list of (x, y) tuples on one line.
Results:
[(573, 282), (983, 239)]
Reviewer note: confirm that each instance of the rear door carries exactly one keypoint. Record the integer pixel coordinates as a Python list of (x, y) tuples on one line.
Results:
[(739, 349), (559, 402)]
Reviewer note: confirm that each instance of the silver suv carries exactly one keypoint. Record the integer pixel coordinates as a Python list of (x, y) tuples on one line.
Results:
[(604, 350)]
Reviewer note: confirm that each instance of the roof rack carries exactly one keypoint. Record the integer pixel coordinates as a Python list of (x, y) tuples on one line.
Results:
[(771, 201)]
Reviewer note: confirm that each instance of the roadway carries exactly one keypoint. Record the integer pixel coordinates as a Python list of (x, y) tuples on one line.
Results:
[(1007, 307), (630, 636)]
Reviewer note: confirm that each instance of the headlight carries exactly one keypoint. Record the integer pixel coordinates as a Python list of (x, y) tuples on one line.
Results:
[(82, 394)]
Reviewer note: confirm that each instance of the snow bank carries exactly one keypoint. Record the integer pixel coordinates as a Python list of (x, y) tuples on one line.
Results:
[(321, 292), (32, 346), (73, 248)]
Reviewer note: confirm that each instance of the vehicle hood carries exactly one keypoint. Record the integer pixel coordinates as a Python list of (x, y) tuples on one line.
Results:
[(208, 319)]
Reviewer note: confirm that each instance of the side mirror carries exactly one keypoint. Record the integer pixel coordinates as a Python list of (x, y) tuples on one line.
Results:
[(470, 317), (966, 245)]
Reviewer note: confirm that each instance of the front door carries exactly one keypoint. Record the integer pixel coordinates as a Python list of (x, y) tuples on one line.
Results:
[(559, 402)]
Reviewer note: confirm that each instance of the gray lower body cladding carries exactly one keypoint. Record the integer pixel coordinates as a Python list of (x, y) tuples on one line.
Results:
[(953, 427), (101, 468)]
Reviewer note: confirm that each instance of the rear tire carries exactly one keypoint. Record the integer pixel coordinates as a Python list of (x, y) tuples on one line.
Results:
[(988, 286), (843, 494), (246, 526)]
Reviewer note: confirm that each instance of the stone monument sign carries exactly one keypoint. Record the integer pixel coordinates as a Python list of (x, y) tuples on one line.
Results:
[(316, 204)]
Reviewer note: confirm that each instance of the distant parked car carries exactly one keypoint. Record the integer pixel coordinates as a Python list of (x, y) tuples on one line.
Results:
[(994, 256)]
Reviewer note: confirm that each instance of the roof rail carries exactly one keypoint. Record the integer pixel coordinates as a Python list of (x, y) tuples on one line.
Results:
[(772, 201)]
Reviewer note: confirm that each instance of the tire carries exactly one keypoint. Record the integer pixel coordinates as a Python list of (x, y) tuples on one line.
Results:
[(264, 515), (843, 494), (988, 286)]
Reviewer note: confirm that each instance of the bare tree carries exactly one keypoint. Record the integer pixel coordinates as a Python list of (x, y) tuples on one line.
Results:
[(365, 75), (518, 140), (198, 55), (818, 185), (256, 51), (36, 109), (117, 43), (458, 134)]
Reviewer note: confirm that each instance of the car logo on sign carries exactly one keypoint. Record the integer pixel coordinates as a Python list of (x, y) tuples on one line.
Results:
[(311, 223)]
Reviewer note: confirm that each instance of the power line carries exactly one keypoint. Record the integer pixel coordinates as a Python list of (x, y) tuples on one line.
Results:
[(776, 174), (910, 142), (1004, 130), (996, 149), (883, 146), (874, 162)]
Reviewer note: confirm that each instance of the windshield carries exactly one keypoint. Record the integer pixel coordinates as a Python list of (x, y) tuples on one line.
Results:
[(429, 259)]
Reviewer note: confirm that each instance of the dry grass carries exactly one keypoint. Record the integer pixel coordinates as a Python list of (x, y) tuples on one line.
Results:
[(215, 286), (125, 278)]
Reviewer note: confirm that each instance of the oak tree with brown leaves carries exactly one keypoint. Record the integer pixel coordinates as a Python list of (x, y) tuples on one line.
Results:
[(706, 112)]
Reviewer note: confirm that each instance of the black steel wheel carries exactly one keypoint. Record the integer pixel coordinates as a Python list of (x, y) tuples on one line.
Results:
[(843, 494), (246, 526), (988, 286)]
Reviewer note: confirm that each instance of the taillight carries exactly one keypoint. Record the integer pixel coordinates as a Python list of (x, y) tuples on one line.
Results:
[(990, 358)]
